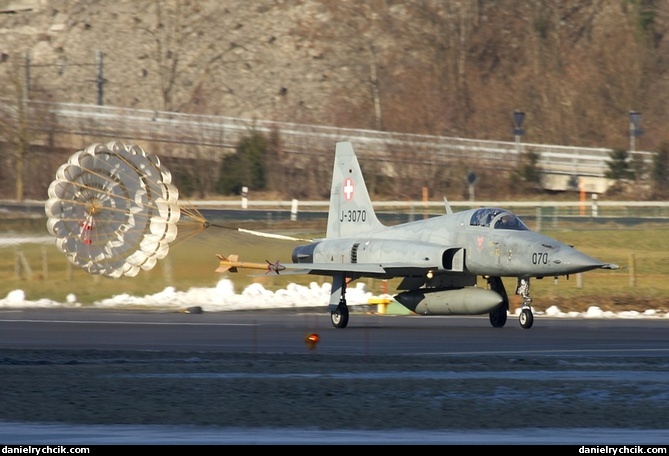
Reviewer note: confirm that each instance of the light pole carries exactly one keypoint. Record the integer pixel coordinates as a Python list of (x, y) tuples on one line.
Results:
[(635, 120), (518, 118)]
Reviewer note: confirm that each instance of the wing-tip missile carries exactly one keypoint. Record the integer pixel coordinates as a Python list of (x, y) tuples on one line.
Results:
[(231, 264)]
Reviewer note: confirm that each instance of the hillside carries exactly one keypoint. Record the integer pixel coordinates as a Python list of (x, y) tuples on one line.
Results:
[(575, 67)]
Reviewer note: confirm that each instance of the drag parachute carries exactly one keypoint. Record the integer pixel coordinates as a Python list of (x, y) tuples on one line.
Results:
[(113, 209)]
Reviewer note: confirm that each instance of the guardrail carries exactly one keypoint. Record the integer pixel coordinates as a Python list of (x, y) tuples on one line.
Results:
[(311, 216), (221, 134), (599, 208)]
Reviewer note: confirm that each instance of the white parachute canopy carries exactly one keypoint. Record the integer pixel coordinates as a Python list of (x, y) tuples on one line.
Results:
[(113, 209)]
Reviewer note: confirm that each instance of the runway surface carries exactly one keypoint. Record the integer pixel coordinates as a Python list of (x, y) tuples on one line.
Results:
[(284, 331), (609, 367)]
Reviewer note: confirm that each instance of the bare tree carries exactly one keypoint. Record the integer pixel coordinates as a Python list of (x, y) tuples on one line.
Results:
[(14, 126), (185, 56)]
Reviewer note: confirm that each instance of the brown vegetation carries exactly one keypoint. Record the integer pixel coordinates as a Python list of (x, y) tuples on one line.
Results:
[(576, 67)]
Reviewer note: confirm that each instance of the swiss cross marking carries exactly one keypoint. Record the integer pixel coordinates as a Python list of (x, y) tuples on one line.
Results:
[(348, 189)]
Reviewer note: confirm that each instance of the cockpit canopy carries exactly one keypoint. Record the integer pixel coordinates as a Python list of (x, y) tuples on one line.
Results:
[(499, 219)]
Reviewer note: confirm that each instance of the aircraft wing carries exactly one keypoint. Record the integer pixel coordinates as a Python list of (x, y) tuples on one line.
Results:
[(231, 264)]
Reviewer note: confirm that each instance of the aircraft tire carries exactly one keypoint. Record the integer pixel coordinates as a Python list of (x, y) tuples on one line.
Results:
[(339, 317), (526, 318), (498, 316)]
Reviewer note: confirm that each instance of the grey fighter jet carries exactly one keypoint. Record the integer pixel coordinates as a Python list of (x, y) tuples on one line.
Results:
[(438, 258)]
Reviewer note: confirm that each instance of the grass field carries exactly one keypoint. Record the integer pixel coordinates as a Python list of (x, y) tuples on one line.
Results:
[(42, 271)]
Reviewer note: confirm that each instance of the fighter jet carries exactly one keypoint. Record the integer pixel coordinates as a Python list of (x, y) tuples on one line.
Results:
[(438, 259)]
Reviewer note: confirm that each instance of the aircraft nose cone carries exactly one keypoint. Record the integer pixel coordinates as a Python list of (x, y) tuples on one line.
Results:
[(577, 261)]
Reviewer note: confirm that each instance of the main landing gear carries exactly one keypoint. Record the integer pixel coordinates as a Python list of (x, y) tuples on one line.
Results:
[(339, 317), (498, 316), (337, 307), (339, 310), (523, 289)]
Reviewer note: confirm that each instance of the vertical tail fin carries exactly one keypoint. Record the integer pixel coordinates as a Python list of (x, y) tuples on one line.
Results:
[(351, 210)]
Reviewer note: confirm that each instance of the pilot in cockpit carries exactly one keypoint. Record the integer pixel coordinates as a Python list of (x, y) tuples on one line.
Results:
[(505, 221), (509, 221)]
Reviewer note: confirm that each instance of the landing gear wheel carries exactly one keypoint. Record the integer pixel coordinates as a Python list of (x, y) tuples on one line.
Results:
[(498, 316), (339, 317), (526, 318)]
